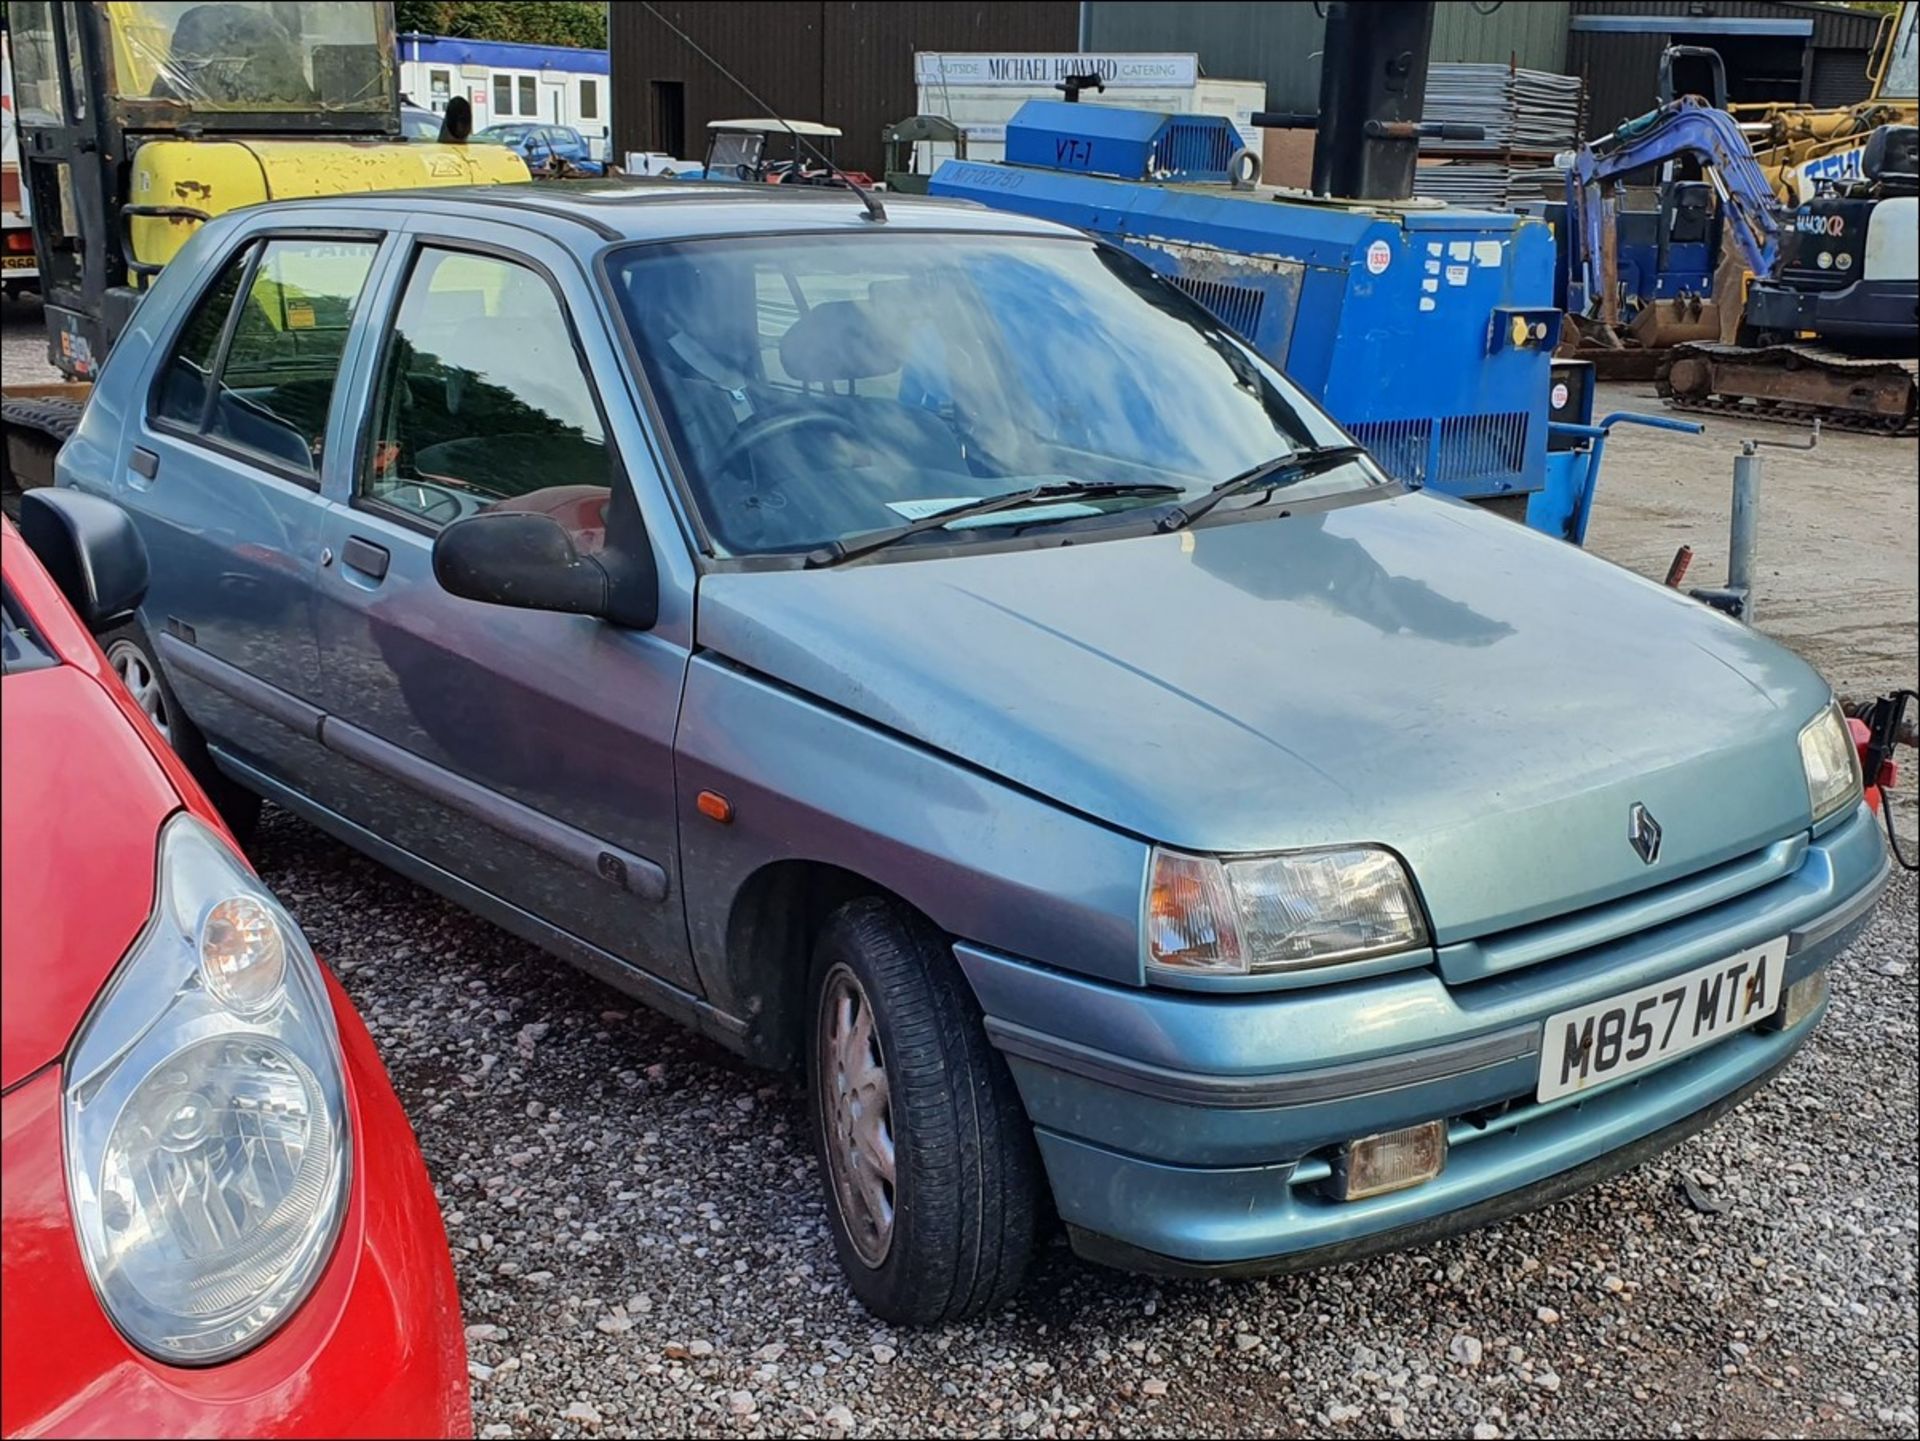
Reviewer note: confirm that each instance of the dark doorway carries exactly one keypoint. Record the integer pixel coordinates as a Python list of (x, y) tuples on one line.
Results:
[(670, 118), (1759, 67)]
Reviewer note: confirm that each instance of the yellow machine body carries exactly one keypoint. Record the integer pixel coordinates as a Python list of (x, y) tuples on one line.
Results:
[(195, 180)]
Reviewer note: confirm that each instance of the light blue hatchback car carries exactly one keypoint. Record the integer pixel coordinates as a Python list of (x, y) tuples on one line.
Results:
[(931, 652)]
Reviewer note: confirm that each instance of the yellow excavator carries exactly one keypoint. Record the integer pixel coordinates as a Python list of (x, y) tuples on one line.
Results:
[(141, 119)]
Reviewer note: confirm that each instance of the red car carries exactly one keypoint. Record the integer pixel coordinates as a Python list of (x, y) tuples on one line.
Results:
[(216, 1218)]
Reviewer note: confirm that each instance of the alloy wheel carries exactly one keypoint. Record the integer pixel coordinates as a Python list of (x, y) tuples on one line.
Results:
[(136, 672)]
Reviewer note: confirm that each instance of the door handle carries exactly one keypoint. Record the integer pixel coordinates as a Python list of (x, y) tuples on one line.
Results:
[(145, 463), (366, 557)]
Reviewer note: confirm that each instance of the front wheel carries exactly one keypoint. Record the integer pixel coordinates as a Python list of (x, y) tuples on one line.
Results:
[(929, 1160)]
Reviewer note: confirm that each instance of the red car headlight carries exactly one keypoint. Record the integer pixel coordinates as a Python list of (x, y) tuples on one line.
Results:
[(206, 1120)]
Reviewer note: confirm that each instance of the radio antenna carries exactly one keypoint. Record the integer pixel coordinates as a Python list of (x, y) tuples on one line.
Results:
[(876, 212)]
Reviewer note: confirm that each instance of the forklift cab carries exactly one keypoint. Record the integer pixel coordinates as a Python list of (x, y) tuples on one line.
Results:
[(769, 150), (140, 119), (98, 81)]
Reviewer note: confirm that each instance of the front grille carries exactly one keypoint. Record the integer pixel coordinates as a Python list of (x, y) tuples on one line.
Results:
[(1573, 934)]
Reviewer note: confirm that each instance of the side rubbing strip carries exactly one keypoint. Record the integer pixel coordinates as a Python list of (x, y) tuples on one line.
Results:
[(576, 847), (236, 684)]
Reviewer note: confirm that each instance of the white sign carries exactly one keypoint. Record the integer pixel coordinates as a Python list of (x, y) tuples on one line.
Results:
[(1124, 72), (1558, 396), (1379, 257)]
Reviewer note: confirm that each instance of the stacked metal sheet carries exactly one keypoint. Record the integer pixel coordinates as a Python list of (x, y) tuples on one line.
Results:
[(1525, 116)]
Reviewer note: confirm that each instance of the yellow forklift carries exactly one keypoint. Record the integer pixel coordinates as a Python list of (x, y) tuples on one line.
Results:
[(141, 119)]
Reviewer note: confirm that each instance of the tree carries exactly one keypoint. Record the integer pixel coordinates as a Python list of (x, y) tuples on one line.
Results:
[(530, 22)]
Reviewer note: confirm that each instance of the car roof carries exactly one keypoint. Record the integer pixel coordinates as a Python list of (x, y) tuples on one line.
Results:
[(588, 213)]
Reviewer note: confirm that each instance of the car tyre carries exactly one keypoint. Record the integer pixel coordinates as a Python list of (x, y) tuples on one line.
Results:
[(901, 1077), (131, 656)]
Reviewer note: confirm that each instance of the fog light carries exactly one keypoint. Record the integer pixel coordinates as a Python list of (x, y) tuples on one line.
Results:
[(1800, 1000), (1390, 1161)]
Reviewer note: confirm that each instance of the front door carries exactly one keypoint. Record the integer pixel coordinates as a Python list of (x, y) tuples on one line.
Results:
[(529, 754)]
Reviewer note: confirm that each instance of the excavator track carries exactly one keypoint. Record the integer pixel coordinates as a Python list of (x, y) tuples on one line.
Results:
[(1794, 384)]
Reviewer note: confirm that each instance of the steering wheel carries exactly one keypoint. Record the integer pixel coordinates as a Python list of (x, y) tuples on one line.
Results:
[(757, 432), (439, 499), (437, 504)]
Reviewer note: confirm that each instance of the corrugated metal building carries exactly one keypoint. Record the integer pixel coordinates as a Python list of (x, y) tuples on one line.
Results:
[(1280, 43), (847, 64), (851, 64), (1773, 50)]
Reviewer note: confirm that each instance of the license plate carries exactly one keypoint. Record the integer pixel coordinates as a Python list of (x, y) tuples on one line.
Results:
[(1594, 1044)]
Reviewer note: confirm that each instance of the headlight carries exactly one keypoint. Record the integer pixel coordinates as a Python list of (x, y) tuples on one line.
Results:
[(1831, 763), (206, 1119), (1279, 912)]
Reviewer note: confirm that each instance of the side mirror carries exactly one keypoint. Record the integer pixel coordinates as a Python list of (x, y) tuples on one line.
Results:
[(527, 560), (91, 549)]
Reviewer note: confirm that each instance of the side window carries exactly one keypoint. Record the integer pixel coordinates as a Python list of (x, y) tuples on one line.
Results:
[(589, 100), (482, 398), (502, 95), (276, 383), (529, 99), (188, 377)]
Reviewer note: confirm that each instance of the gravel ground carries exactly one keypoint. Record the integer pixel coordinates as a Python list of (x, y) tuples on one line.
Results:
[(641, 1243)]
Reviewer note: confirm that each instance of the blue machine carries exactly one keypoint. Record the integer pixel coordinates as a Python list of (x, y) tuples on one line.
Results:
[(1427, 332)]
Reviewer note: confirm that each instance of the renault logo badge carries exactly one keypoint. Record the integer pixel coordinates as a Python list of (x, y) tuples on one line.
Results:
[(1643, 833)]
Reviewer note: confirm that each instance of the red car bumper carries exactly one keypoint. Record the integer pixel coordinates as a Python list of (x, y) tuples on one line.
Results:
[(376, 1350)]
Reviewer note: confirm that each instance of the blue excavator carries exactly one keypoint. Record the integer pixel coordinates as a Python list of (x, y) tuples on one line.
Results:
[(1827, 328)]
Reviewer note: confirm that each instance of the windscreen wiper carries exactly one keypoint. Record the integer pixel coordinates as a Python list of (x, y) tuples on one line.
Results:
[(1281, 470), (836, 551)]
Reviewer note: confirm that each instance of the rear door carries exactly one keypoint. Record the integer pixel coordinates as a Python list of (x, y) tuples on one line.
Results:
[(222, 464), (528, 754)]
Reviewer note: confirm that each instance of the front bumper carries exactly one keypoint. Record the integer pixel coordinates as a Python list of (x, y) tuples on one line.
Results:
[(1190, 1133), (376, 1350)]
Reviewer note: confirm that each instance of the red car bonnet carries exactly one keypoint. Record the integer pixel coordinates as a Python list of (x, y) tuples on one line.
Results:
[(83, 790)]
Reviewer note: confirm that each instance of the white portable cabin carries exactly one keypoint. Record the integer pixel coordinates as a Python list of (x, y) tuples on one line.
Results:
[(980, 92), (504, 82)]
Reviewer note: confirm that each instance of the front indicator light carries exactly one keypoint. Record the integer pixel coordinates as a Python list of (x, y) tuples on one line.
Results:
[(243, 953), (1287, 911), (1390, 1161)]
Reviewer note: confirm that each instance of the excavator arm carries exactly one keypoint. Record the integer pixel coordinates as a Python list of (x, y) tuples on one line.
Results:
[(1684, 128)]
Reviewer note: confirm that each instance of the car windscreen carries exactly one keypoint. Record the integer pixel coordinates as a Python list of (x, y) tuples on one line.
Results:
[(502, 134), (817, 387)]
